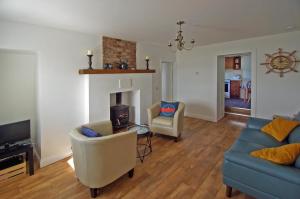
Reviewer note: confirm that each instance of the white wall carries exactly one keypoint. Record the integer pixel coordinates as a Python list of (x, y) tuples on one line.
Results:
[(157, 55), (167, 81), (197, 77), (18, 89), (60, 90)]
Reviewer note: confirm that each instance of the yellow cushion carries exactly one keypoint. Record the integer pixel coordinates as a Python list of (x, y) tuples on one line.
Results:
[(286, 154), (280, 128)]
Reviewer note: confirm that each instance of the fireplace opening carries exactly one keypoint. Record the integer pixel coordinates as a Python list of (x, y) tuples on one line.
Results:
[(119, 113)]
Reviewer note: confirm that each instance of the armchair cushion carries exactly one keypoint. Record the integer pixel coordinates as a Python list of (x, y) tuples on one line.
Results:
[(89, 132), (161, 120), (168, 109)]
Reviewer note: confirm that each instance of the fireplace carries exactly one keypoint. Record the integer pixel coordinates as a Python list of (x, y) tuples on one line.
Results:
[(119, 113)]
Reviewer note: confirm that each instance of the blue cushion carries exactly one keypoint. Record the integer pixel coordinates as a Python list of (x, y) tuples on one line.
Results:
[(89, 132), (168, 109), (294, 136)]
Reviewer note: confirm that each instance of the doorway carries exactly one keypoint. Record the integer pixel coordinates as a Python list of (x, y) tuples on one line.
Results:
[(167, 81), (235, 85)]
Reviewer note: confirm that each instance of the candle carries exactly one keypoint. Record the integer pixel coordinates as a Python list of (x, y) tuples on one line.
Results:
[(147, 58), (89, 52)]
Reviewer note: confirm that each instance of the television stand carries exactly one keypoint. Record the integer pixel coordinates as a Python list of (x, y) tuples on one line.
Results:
[(19, 149)]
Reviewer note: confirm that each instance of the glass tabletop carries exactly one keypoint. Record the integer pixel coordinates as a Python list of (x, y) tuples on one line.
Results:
[(140, 129)]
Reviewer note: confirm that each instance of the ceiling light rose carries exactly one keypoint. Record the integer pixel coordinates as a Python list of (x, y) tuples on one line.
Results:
[(179, 41)]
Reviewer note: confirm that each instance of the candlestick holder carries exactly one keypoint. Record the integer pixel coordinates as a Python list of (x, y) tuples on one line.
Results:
[(90, 61), (147, 64)]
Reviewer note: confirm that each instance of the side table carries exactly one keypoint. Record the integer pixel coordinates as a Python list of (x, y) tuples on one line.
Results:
[(28, 149), (144, 147)]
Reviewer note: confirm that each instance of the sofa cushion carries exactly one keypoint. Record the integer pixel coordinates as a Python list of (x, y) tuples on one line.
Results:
[(285, 155), (257, 123), (294, 136), (258, 137), (280, 128), (241, 146), (164, 121), (297, 163), (168, 109)]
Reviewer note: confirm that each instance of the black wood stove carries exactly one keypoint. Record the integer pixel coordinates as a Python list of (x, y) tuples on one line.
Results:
[(119, 114)]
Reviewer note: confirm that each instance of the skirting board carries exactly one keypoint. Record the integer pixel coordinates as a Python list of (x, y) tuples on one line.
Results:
[(199, 116), (47, 161)]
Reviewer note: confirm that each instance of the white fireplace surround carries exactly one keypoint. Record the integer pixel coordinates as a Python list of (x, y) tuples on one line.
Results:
[(132, 99), (102, 86)]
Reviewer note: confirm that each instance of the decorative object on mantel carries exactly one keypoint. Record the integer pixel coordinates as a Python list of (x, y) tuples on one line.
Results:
[(107, 66), (123, 64), (281, 62), (179, 42), (90, 55), (147, 62), (112, 71)]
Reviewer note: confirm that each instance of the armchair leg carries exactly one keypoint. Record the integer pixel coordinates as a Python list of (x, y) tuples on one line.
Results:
[(228, 191), (131, 173), (93, 192)]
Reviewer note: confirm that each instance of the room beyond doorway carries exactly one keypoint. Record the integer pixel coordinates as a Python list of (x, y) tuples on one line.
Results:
[(235, 84), (238, 81)]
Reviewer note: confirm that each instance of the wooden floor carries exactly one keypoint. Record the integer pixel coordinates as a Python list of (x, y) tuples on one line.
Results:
[(190, 168)]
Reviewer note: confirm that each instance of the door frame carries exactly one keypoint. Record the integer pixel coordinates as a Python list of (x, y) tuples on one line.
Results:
[(221, 75), (172, 78)]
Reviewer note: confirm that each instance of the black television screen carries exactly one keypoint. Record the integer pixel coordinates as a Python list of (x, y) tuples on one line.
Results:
[(14, 132)]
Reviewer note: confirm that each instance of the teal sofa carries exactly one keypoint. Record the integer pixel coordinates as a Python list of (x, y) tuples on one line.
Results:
[(257, 177)]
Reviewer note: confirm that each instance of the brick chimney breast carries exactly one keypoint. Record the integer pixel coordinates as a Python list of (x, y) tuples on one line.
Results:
[(116, 49)]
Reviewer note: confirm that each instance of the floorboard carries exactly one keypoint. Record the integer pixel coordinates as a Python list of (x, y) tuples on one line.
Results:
[(190, 168)]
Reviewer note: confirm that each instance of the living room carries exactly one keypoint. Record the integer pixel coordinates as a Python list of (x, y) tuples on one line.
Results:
[(64, 65)]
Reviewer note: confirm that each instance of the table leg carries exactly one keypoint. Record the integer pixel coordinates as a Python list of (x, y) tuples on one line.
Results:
[(149, 142), (30, 161)]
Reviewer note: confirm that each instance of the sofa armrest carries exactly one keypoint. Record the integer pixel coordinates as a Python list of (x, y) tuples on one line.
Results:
[(153, 112)]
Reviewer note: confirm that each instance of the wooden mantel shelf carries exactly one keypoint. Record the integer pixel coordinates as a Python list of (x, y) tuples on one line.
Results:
[(112, 71)]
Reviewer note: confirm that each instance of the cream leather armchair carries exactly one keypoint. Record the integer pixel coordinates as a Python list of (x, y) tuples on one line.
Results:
[(166, 125), (101, 160)]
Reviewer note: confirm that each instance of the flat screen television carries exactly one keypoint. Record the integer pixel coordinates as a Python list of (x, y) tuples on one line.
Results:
[(14, 132)]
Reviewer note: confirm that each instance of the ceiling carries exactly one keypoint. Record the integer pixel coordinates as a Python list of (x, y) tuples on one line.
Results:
[(208, 21)]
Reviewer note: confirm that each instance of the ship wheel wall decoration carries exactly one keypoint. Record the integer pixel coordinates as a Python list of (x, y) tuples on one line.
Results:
[(281, 62)]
